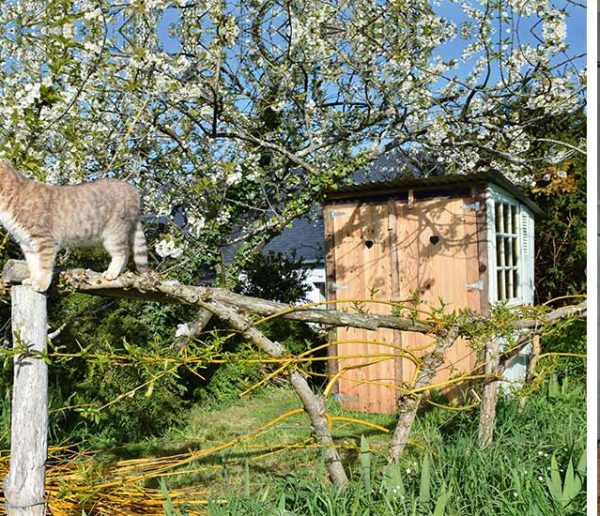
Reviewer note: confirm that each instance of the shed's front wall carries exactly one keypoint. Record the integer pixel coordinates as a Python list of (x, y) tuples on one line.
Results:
[(390, 250)]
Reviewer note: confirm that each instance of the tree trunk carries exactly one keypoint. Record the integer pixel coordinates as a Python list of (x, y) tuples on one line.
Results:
[(314, 405), (489, 397), (408, 404), (536, 351), (200, 322), (24, 484)]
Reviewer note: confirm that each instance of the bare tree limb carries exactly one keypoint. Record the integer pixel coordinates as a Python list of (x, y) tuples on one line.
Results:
[(152, 287)]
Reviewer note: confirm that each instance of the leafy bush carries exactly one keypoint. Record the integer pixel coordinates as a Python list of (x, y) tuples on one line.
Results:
[(570, 337), (560, 191), (274, 276)]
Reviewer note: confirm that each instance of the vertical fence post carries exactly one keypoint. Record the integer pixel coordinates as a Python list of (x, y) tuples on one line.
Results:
[(24, 484), (489, 397)]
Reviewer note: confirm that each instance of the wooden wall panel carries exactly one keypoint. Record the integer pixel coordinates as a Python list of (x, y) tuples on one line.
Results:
[(387, 250)]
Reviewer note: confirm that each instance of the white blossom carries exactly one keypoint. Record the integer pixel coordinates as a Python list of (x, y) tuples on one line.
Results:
[(168, 249), (183, 330)]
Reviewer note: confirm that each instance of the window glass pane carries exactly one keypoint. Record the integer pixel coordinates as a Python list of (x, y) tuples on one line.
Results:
[(508, 255), (515, 251), (506, 218), (498, 217), (499, 252), (507, 251), (500, 277)]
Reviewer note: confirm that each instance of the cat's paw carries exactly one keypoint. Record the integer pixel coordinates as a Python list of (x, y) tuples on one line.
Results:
[(39, 284), (110, 275)]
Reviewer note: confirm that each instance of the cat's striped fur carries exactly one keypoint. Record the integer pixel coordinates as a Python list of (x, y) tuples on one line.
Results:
[(44, 219)]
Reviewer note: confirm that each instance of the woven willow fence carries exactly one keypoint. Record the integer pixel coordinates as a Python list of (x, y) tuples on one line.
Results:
[(30, 487)]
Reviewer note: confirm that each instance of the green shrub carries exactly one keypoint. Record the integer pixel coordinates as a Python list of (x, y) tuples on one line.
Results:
[(274, 276)]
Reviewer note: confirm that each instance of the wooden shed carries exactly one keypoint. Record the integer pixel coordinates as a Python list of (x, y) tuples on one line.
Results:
[(465, 239)]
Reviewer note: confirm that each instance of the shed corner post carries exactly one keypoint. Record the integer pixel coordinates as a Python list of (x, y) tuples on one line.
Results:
[(24, 486)]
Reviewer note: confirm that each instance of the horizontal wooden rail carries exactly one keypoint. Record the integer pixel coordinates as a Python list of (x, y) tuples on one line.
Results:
[(154, 287)]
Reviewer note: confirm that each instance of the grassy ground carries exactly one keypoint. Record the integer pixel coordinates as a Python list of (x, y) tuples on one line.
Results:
[(278, 471)]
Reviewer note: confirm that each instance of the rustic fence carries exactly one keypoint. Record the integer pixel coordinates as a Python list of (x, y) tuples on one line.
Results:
[(24, 484)]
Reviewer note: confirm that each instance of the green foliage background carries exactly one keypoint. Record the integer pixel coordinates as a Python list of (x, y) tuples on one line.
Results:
[(561, 231)]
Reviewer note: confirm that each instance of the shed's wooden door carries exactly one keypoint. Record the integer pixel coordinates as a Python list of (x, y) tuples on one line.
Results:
[(384, 251), (362, 243), (439, 261)]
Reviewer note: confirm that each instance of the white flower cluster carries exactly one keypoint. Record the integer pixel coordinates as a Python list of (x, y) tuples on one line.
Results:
[(196, 224), (554, 29), (555, 95), (183, 330), (168, 249), (234, 177), (373, 71)]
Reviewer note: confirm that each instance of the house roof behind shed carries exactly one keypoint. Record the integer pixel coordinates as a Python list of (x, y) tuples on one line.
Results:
[(370, 188)]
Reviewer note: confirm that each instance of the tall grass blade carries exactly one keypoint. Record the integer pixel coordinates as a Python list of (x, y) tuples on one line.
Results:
[(168, 506), (582, 464), (425, 484), (246, 479), (365, 463), (572, 485), (442, 501)]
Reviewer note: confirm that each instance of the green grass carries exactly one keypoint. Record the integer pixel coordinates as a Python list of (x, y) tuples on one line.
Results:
[(441, 472)]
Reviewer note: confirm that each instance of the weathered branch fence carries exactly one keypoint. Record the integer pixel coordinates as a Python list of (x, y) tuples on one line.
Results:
[(24, 485)]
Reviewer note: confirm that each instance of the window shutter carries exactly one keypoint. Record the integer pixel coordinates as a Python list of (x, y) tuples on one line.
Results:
[(525, 233)]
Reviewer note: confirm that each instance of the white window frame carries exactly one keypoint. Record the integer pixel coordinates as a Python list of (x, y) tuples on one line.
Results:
[(525, 246)]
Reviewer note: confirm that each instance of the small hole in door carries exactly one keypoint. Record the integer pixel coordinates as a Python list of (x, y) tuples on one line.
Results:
[(369, 244), (434, 239)]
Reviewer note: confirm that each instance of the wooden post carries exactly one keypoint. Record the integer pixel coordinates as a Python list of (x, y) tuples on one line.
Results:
[(408, 403), (24, 484), (536, 351), (489, 397)]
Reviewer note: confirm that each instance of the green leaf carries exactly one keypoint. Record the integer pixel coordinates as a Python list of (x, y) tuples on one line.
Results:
[(572, 485), (425, 484), (440, 505), (149, 390), (392, 481), (582, 464), (365, 463), (555, 472), (167, 504)]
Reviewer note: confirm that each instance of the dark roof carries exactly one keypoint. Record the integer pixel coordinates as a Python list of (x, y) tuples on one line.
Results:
[(305, 236), (366, 188)]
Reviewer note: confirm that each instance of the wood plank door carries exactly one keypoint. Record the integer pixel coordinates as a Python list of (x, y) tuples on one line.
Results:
[(439, 262), (359, 235)]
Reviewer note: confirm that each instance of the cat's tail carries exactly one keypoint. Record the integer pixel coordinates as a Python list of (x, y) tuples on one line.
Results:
[(140, 249)]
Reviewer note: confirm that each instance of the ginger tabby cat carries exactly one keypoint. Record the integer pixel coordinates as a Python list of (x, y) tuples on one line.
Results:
[(44, 219)]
